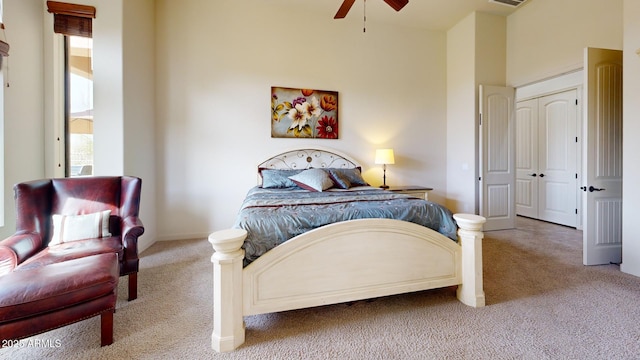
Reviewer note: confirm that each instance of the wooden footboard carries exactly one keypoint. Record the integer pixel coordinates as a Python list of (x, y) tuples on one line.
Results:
[(341, 262)]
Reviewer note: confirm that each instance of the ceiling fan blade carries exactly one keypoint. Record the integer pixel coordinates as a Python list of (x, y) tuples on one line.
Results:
[(344, 9), (397, 5)]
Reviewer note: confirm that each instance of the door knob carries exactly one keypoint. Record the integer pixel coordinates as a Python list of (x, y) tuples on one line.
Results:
[(534, 174), (592, 189), (541, 175)]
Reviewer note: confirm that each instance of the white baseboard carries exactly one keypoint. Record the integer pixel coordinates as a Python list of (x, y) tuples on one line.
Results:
[(183, 236)]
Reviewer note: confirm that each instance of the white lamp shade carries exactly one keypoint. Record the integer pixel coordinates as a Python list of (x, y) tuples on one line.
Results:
[(384, 156)]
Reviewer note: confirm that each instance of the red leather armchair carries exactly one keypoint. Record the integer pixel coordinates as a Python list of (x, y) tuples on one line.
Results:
[(43, 287), (36, 202)]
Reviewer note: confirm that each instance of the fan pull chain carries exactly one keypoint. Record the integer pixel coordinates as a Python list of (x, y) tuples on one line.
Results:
[(364, 20)]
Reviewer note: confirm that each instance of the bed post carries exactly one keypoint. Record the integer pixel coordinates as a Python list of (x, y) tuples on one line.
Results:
[(228, 324), (471, 292)]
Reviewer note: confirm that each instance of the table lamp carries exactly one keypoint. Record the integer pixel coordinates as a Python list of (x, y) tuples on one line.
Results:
[(384, 157)]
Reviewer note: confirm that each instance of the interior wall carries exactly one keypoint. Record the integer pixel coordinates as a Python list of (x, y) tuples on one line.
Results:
[(216, 63), (476, 55), (23, 98), (108, 85), (461, 114), (139, 126), (490, 65), (547, 37), (630, 133)]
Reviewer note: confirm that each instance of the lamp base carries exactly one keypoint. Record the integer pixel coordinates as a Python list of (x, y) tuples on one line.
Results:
[(384, 186)]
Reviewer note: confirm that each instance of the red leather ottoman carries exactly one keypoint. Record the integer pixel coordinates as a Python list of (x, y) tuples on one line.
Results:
[(40, 299)]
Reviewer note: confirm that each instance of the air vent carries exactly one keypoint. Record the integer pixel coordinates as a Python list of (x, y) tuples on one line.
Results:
[(512, 3)]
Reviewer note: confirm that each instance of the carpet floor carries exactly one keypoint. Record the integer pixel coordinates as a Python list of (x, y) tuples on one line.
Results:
[(542, 303)]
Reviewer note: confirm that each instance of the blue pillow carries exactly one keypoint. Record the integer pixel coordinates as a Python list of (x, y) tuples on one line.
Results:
[(277, 179), (340, 180), (346, 178)]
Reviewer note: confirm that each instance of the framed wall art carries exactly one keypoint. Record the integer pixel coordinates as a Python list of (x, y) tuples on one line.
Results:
[(304, 113)]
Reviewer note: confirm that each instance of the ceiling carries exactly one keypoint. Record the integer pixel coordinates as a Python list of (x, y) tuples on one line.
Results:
[(427, 14)]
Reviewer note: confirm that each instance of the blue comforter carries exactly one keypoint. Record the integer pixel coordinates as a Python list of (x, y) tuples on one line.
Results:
[(273, 216)]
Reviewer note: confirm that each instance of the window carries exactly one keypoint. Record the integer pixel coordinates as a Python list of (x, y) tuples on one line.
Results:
[(74, 22), (79, 119)]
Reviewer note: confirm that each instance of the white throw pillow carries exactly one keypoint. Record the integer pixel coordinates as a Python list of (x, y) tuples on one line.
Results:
[(68, 228)]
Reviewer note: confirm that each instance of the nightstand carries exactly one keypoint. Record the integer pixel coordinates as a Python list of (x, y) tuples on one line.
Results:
[(417, 191)]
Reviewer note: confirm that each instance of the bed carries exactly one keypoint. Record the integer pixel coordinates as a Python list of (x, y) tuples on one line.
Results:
[(390, 251)]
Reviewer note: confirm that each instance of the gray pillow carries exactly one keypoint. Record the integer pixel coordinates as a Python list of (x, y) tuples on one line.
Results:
[(346, 178), (277, 179)]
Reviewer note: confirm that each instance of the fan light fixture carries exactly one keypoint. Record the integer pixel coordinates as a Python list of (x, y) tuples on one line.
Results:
[(397, 5), (384, 157)]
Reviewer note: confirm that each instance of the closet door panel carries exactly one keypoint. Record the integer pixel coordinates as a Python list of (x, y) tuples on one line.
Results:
[(557, 129)]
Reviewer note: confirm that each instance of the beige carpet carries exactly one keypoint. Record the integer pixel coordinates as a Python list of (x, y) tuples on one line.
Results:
[(541, 304)]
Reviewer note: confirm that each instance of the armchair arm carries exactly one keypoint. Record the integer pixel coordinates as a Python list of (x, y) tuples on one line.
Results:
[(16, 248), (8, 260), (132, 228)]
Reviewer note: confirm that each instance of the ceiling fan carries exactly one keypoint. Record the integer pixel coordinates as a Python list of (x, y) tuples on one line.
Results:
[(346, 5)]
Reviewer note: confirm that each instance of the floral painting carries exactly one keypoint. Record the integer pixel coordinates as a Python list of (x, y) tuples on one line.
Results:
[(304, 113)]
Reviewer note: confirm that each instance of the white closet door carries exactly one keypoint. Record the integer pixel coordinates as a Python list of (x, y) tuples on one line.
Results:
[(527, 158), (557, 139)]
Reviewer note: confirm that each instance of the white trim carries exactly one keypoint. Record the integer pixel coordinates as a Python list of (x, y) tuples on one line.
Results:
[(550, 86), (187, 236), (53, 100)]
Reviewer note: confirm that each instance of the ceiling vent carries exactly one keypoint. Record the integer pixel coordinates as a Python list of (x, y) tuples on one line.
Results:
[(511, 3)]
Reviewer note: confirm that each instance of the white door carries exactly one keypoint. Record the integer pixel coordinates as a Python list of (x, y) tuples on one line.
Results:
[(497, 157), (527, 158), (602, 185), (557, 168), (546, 165)]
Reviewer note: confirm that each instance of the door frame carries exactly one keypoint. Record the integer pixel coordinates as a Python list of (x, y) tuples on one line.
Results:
[(568, 81)]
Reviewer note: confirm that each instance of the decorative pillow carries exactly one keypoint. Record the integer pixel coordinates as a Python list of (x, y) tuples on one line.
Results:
[(313, 180), (277, 179), (68, 228), (353, 177), (340, 180)]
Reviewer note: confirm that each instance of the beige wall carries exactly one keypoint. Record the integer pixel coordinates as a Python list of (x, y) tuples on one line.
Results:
[(476, 55), (461, 115), (139, 125), (216, 64), (23, 99), (546, 38)]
